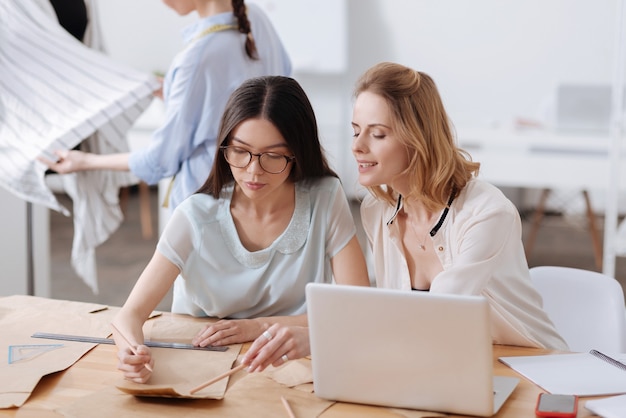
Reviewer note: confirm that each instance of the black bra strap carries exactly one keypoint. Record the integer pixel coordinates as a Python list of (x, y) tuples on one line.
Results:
[(444, 214), (441, 218)]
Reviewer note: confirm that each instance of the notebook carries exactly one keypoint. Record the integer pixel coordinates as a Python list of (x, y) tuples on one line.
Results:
[(583, 374), (403, 349)]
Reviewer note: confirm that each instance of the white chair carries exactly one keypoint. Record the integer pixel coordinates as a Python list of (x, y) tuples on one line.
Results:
[(587, 307)]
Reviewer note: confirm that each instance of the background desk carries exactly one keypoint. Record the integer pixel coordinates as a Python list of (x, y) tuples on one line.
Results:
[(542, 159), (97, 371), (537, 158)]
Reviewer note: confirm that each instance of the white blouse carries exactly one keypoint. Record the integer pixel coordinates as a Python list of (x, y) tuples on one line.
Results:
[(220, 278), (480, 248)]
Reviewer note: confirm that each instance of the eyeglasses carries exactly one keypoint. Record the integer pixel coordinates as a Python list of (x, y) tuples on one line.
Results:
[(270, 162)]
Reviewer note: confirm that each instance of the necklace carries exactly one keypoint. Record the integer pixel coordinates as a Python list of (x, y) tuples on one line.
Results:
[(422, 244), (435, 229)]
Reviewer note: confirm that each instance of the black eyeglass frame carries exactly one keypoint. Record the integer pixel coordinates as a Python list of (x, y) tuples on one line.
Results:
[(288, 159)]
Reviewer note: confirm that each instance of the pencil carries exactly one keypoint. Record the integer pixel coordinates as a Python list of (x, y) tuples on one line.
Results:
[(132, 347), (217, 378), (287, 407)]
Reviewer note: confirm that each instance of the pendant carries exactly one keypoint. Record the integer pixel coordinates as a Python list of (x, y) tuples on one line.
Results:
[(423, 247)]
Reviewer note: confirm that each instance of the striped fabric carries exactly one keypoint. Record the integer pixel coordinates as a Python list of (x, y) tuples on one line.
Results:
[(56, 93)]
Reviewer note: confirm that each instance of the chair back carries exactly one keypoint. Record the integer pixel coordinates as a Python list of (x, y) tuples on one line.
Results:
[(586, 307)]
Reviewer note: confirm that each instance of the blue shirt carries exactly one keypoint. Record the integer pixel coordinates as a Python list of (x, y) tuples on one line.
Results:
[(195, 91)]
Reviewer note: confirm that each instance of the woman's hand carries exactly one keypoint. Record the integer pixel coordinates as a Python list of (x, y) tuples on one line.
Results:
[(68, 161), (159, 91), (228, 331), (134, 365), (277, 345)]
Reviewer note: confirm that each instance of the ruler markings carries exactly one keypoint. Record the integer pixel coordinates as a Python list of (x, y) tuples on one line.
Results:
[(96, 340)]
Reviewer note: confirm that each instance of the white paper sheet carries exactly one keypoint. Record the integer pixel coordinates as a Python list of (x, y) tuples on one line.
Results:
[(581, 374), (612, 407)]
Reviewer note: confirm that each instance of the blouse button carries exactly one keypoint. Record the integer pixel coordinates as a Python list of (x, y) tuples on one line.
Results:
[(440, 248)]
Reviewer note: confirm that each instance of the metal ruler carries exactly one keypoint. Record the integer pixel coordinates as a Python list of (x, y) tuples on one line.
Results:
[(96, 340)]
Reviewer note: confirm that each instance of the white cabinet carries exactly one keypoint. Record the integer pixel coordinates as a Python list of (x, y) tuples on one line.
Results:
[(25, 263)]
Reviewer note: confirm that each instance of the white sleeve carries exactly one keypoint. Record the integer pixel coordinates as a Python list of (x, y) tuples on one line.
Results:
[(340, 226), (482, 240), (370, 217), (177, 241)]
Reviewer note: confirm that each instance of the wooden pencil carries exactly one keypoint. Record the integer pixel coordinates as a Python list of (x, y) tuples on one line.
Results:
[(132, 347), (287, 407), (217, 378)]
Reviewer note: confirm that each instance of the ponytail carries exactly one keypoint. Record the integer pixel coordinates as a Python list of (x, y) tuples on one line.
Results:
[(239, 10)]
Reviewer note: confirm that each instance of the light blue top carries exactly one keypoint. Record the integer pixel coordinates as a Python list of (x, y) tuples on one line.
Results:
[(195, 91), (220, 278)]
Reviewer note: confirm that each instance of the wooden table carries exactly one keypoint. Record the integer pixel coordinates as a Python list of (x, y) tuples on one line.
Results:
[(97, 371)]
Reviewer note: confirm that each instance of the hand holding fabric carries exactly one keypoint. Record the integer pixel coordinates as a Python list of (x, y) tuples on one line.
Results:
[(69, 161)]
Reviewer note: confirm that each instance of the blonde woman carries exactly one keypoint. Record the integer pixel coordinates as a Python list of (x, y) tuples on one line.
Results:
[(432, 224)]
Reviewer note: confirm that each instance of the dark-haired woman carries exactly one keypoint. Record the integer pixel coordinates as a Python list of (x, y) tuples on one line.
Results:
[(271, 217)]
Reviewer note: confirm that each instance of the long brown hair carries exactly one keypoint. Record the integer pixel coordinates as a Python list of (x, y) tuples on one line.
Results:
[(283, 102), (436, 165)]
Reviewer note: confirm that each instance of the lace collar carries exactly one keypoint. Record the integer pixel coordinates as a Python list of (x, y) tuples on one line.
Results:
[(290, 241)]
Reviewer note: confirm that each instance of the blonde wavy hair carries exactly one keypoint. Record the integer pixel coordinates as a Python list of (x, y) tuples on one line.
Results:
[(437, 167)]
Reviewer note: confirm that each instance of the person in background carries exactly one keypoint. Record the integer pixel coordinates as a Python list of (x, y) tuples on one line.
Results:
[(230, 43), (433, 226), (78, 17), (271, 217), (56, 49)]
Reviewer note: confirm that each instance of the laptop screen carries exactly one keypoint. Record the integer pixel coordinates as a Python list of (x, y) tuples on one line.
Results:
[(402, 349)]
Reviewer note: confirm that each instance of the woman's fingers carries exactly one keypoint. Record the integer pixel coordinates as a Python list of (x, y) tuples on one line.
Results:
[(286, 343), (225, 332), (67, 161), (133, 365), (258, 344), (215, 334)]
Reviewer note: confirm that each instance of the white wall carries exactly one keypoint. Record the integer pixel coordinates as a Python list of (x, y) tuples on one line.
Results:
[(141, 33), (493, 60)]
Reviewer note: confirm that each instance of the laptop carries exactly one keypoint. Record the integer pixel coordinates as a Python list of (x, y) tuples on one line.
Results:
[(402, 349)]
